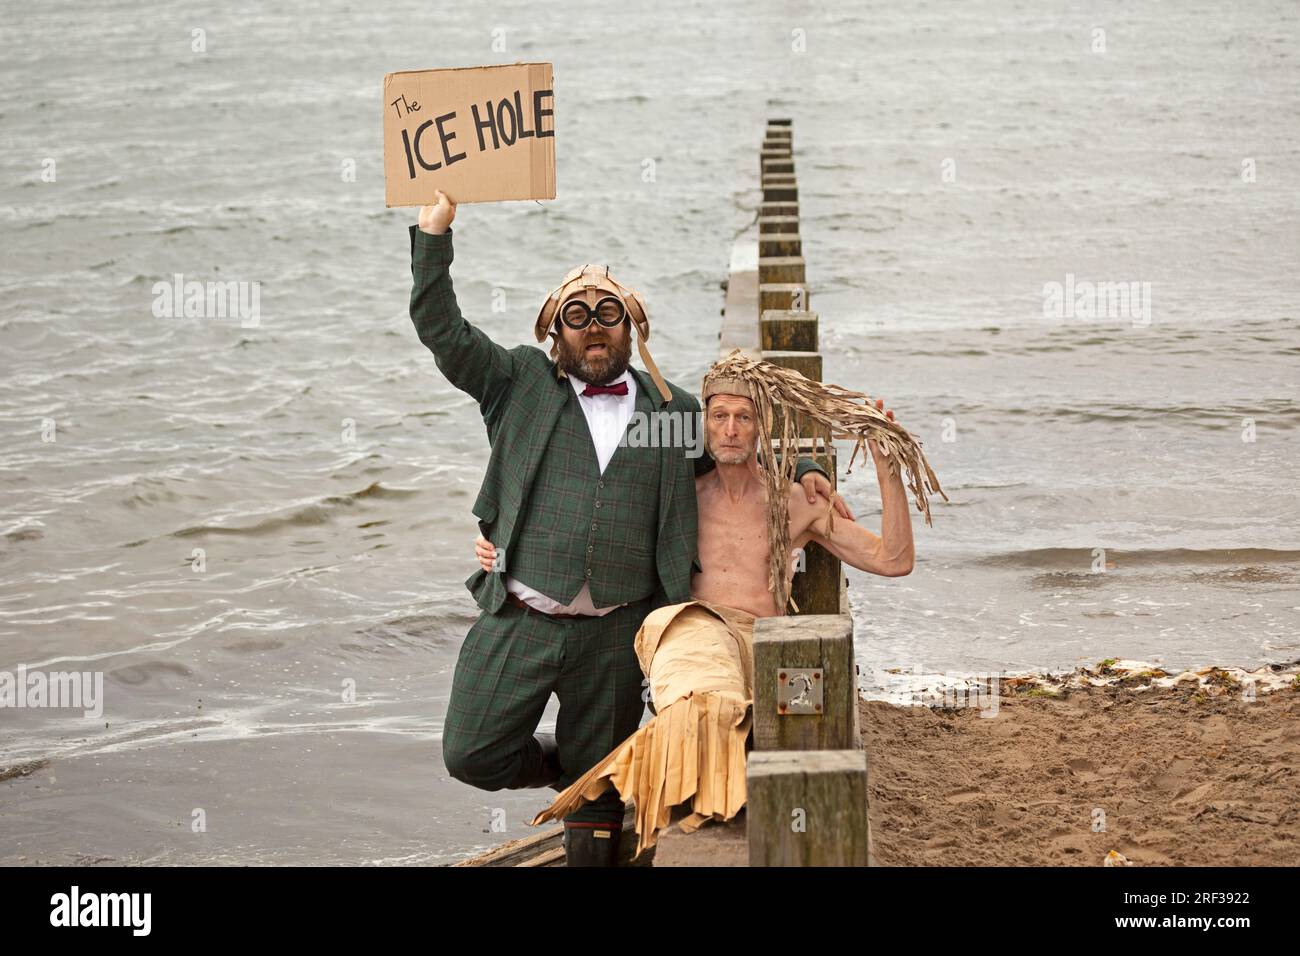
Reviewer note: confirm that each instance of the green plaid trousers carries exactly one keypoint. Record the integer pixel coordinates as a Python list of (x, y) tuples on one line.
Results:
[(511, 663)]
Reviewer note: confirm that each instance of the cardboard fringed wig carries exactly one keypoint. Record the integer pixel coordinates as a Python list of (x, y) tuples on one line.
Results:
[(589, 284), (835, 413)]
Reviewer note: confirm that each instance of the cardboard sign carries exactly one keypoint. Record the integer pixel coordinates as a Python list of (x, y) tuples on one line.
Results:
[(479, 134)]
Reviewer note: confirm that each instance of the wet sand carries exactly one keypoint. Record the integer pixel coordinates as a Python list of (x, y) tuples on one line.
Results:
[(1184, 776)]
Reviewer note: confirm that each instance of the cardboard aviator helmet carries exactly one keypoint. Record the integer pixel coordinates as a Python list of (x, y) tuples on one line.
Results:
[(589, 283)]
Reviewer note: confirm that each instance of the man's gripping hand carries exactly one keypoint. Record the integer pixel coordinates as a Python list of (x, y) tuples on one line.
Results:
[(815, 485), (486, 554), (437, 219)]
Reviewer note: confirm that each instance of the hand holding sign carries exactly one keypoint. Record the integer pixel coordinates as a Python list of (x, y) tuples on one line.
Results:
[(481, 133), (436, 219)]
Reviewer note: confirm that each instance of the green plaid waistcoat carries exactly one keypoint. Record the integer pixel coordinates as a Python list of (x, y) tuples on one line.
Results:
[(582, 524)]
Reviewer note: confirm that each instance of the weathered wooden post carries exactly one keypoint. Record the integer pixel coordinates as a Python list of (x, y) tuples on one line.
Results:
[(808, 808), (786, 269), (805, 683), (807, 364), (788, 330), (777, 225), (807, 773), (806, 777), (788, 341), (767, 315), (783, 297), (779, 245)]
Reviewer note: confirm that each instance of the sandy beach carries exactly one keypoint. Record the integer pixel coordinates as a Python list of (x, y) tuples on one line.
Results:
[(1189, 769), (1187, 775)]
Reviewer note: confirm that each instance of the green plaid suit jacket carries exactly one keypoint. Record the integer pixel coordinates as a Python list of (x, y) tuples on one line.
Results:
[(520, 396)]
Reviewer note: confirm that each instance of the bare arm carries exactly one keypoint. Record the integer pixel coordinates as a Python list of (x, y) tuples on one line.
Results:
[(891, 553)]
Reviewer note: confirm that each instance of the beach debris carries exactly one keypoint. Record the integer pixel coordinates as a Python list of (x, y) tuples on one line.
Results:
[(1211, 681), (1116, 858), (1204, 683), (23, 769)]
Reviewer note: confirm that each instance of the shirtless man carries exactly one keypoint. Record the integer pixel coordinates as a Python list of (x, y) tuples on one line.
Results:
[(733, 517), (732, 505)]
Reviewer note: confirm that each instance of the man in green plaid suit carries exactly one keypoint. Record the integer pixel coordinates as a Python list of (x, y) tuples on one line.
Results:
[(593, 537)]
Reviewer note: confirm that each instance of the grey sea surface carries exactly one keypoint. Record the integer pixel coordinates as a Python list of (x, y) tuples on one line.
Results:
[(239, 527)]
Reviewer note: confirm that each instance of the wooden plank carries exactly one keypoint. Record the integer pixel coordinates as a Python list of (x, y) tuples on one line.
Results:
[(783, 297), (781, 269), (785, 330), (768, 210), (717, 843), (519, 852), (807, 364), (808, 809), (777, 226), (821, 587), (776, 245), (780, 193), (549, 858)]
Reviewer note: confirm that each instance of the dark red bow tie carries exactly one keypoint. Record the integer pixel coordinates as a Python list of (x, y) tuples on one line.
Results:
[(618, 388)]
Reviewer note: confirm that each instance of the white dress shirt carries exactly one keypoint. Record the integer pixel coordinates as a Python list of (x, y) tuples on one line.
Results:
[(607, 417)]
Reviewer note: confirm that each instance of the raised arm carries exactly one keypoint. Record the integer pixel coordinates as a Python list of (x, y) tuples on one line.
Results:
[(466, 356), (891, 553)]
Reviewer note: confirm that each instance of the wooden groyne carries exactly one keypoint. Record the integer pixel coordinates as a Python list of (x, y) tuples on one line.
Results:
[(807, 774), (768, 315)]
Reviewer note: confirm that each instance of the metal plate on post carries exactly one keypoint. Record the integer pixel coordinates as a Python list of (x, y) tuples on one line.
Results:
[(799, 691)]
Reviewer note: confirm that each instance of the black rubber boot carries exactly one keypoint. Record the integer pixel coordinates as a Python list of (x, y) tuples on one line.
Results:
[(592, 844), (541, 766)]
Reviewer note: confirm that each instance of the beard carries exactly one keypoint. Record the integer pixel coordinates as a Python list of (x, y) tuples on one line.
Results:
[(731, 457), (594, 370)]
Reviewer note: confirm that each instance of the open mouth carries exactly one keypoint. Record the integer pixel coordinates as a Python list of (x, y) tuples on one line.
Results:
[(599, 348)]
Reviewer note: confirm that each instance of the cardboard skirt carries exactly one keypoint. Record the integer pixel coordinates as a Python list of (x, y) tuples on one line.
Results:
[(699, 658)]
